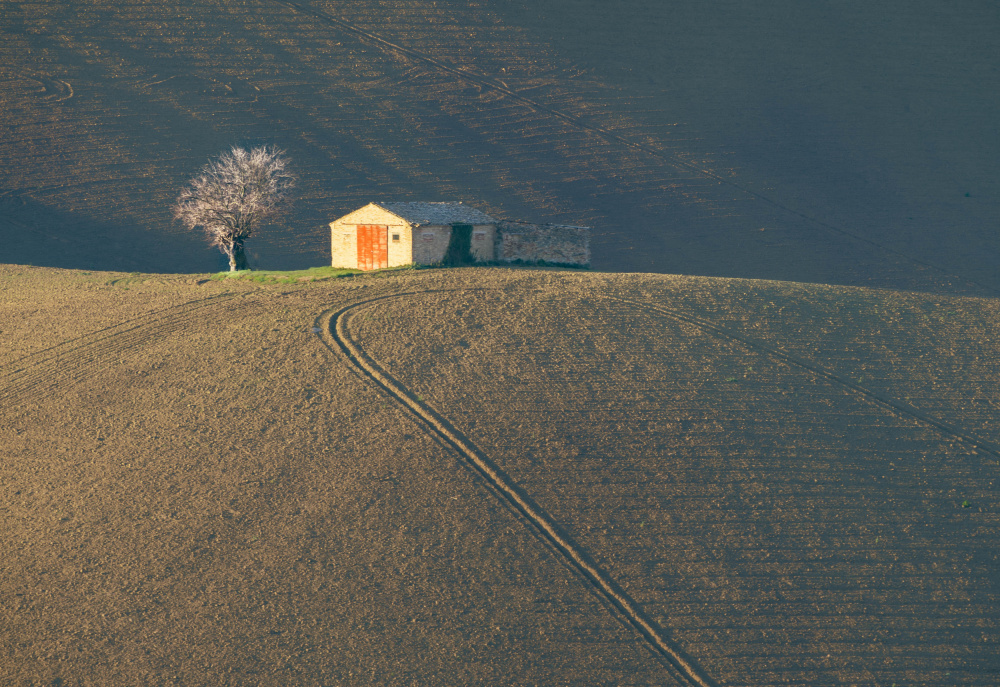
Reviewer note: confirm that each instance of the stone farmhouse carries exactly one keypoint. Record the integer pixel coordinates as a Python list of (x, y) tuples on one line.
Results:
[(381, 235), (392, 234)]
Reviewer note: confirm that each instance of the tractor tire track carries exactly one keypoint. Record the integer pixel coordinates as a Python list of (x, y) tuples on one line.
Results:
[(334, 331), (53, 90), (893, 404), (334, 328), (677, 162), (72, 360)]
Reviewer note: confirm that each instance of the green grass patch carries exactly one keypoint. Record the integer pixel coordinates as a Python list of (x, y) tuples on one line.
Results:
[(302, 276), (286, 276), (323, 273)]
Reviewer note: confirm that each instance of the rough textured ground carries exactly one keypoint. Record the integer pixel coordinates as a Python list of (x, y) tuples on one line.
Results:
[(198, 487), (847, 143), (732, 481)]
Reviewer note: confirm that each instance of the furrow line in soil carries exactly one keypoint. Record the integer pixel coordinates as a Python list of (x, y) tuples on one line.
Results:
[(61, 371), (87, 339), (55, 90), (878, 397), (676, 161), (66, 362), (334, 332)]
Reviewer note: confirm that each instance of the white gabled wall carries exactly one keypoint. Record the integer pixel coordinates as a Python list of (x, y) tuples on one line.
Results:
[(343, 245), (401, 251)]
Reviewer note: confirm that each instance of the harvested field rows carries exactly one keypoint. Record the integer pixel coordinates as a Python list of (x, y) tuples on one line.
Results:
[(936, 355), (894, 405), (689, 476), (780, 525), (49, 370), (46, 310), (206, 511), (681, 667)]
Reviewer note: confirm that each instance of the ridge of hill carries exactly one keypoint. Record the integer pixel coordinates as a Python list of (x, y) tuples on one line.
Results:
[(775, 483), (849, 143)]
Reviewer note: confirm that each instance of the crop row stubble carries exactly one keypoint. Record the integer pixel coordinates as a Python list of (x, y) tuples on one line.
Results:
[(766, 516), (226, 499)]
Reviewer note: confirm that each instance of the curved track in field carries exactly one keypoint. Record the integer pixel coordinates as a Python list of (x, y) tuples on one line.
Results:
[(334, 327), (55, 90), (75, 359), (495, 85), (335, 331)]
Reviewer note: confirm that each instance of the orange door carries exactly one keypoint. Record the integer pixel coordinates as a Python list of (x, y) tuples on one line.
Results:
[(373, 247), (380, 257), (364, 248)]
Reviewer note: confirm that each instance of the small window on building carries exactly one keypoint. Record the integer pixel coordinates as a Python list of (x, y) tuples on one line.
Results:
[(480, 235), (395, 238), (427, 236)]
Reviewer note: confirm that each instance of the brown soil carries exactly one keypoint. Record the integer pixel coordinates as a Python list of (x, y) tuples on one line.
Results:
[(199, 486)]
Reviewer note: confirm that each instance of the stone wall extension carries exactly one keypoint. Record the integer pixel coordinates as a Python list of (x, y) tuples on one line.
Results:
[(557, 244)]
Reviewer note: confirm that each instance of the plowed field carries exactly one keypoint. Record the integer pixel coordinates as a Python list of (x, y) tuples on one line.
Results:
[(488, 476)]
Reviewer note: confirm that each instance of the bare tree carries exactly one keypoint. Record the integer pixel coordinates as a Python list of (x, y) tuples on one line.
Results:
[(233, 195)]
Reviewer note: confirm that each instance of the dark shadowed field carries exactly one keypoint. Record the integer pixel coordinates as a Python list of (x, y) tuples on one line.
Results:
[(848, 143)]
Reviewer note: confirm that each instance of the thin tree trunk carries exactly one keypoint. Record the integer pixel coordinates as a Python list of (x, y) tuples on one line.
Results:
[(239, 258)]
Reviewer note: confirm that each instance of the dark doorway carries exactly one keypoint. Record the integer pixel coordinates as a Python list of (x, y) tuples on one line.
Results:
[(459, 247)]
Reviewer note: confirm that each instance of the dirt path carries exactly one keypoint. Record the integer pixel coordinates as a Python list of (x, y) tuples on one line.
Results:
[(159, 502)]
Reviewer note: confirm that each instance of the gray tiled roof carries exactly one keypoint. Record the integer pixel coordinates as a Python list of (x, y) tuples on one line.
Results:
[(438, 213)]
